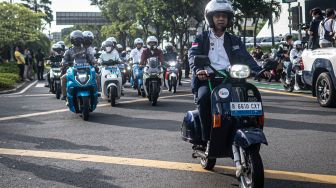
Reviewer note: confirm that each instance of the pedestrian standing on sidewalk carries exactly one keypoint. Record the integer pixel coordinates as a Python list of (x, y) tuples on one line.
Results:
[(186, 65), (20, 62), (28, 66), (40, 64)]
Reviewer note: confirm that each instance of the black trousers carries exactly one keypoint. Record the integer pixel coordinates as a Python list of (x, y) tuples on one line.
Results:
[(204, 108), (187, 70), (21, 67), (40, 70)]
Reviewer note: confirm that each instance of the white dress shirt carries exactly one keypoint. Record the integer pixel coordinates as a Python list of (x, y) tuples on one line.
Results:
[(114, 55), (136, 54), (217, 54)]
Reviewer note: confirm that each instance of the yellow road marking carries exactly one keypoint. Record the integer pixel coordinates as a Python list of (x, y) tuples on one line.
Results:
[(65, 110), (285, 93), (191, 167)]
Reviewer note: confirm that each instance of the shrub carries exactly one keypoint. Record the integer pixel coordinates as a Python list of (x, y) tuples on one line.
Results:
[(10, 76), (6, 83), (9, 68)]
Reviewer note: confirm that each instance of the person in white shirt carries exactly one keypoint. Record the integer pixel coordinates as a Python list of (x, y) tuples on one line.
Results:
[(295, 57), (137, 51), (109, 53), (327, 29)]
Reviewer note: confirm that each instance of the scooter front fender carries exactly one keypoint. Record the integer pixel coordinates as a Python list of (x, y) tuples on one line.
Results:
[(247, 137)]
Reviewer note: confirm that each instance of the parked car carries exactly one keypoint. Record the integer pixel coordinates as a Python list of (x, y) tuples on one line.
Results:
[(319, 73), (267, 41), (250, 41)]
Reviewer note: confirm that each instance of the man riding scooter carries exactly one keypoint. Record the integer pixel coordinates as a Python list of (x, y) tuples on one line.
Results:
[(283, 55), (213, 54), (76, 51), (54, 60), (295, 58), (171, 55), (223, 50)]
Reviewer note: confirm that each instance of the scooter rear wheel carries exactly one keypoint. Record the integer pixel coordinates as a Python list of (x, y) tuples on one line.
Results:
[(208, 164)]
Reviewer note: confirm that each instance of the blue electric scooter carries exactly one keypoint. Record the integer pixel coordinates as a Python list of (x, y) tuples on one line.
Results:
[(136, 80), (82, 90)]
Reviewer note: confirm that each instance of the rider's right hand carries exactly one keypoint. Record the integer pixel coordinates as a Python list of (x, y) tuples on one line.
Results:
[(202, 74)]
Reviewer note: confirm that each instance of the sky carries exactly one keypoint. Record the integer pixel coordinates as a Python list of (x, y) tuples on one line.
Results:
[(66, 6)]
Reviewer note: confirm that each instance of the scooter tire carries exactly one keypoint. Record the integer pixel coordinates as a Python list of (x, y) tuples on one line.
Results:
[(174, 85), (85, 108), (257, 169), (112, 97), (58, 91), (208, 164)]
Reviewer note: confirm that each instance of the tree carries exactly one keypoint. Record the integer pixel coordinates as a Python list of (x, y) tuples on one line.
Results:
[(274, 8), (249, 9), (42, 6), (24, 25)]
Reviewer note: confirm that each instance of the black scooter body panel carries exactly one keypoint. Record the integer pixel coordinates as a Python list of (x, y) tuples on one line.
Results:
[(221, 139)]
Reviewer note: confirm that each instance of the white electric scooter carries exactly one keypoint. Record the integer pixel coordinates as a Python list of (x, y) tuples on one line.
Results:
[(111, 81)]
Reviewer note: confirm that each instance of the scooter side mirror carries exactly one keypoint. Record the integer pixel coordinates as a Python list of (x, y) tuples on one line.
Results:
[(201, 60)]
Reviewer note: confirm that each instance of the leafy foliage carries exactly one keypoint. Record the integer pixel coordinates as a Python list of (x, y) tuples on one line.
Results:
[(42, 6), (18, 24)]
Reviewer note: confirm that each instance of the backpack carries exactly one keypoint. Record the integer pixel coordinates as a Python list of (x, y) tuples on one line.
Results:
[(328, 35)]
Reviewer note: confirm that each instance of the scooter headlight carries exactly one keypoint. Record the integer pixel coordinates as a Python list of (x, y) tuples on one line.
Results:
[(240, 71), (172, 63), (82, 78)]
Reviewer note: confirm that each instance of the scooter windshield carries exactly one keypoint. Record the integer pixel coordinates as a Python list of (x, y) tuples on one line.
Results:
[(81, 63), (153, 62)]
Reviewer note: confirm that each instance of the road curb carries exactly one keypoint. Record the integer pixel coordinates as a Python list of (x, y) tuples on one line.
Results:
[(18, 86)]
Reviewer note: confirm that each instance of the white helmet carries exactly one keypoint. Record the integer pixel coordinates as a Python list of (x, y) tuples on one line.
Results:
[(128, 49), (119, 46), (215, 6), (112, 39), (138, 41), (57, 47), (297, 42), (152, 39)]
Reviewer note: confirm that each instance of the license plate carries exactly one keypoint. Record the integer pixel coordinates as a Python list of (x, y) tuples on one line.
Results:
[(245, 108)]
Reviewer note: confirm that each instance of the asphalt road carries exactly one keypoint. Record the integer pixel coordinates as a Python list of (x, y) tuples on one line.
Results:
[(42, 144)]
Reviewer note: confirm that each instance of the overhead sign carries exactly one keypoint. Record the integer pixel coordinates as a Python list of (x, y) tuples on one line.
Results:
[(288, 1)]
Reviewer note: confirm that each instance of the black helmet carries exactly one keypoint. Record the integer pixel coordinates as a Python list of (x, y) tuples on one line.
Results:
[(76, 38), (88, 38), (288, 37)]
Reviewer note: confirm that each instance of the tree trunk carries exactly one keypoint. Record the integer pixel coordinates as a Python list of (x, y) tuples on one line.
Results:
[(272, 29), (255, 31), (245, 22)]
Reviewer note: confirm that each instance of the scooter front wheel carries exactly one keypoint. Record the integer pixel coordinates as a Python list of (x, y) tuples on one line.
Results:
[(112, 97), (253, 174), (208, 164), (85, 108), (58, 91)]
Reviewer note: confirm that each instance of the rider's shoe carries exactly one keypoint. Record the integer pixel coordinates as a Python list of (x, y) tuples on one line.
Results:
[(288, 81), (296, 88)]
